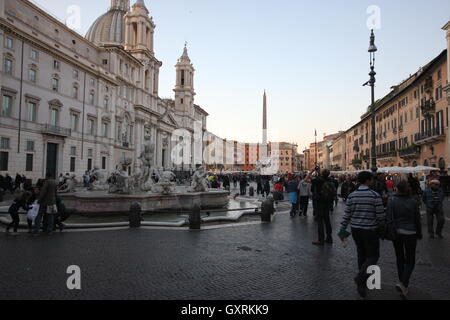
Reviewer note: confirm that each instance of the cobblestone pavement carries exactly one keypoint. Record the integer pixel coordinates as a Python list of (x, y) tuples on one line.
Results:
[(261, 261)]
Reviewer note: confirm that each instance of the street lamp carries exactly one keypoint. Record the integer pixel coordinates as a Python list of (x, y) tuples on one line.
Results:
[(371, 82)]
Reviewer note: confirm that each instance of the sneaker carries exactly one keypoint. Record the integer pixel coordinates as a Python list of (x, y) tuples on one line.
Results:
[(318, 243), (402, 289)]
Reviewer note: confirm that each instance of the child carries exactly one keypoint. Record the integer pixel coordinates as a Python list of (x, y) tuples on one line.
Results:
[(19, 202)]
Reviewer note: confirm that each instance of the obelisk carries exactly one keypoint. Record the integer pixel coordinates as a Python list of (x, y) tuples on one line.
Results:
[(264, 137)]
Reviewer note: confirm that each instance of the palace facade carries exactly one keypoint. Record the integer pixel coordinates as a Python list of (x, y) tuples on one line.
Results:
[(71, 103)]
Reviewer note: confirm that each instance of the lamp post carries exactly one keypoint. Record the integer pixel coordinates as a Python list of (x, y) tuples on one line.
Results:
[(372, 50)]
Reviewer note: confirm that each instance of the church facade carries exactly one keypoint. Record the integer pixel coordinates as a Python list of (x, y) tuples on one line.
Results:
[(71, 103)]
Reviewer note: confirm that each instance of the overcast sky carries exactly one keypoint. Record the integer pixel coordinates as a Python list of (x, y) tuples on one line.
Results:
[(310, 56)]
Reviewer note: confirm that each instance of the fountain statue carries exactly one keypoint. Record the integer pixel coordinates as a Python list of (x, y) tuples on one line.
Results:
[(68, 186), (165, 184), (98, 179), (147, 171), (120, 182), (199, 181)]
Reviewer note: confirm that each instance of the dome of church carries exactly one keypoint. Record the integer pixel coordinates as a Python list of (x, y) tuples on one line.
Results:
[(110, 27)]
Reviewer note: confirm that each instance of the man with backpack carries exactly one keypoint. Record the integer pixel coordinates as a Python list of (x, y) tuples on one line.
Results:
[(324, 194)]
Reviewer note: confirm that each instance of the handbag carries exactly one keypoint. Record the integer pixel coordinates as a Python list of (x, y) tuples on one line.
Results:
[(33, 211), (390, 232), (52, 209)]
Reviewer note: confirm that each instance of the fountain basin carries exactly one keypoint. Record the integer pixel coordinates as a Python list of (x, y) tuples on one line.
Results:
[(102, 202)]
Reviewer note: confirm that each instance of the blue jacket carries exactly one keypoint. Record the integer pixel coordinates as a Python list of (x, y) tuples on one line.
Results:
[(427, 197)]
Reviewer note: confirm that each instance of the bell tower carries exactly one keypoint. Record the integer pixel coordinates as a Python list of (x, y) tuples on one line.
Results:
[(139, 28), (184, 87)]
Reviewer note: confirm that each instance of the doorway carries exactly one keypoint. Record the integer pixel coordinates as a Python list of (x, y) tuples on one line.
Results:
[(52, 159)]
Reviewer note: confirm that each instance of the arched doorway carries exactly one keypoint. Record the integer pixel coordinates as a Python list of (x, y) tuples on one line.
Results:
[(425, 163)]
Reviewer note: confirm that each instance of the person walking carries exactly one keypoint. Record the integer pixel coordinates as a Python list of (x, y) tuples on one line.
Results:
[(266, 186), (19, 202), (433, 198), (47, 203), (404, 229), (324, 193), (292, 189), (9, 184), (364, 212), (243, 185), (347, 188), (259, 186), (304, 189)]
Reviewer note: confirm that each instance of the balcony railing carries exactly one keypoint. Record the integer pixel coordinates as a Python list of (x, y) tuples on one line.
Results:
[(56, 131), (388, 154), (429, 136), (410, 152)]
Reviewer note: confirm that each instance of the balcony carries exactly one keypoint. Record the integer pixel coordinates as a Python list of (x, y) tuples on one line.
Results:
[(387, 155), (56, 131), (429, 136), (411, 152), (428, 107)]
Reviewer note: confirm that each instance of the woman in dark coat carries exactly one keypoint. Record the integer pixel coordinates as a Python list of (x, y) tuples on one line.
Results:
[(404, 215)]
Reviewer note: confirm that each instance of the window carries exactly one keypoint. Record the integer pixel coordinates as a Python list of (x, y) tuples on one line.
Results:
[(34, 54), (72, 164), (4, 143), (29, 162), (56, 65), (54, 117), (106, 103), (75, 91), (55, 84), (30, 145), (89, 165), (4, 161), (9, 43), (32, 75), (105, 129), (104, 61), (32, 107), (75, 74), (73, 151), (6, 106), (90, 153), (103, 163), (439, 75), (92, 97), (8, 65), (74, 122), (91, 126), (92, 82)]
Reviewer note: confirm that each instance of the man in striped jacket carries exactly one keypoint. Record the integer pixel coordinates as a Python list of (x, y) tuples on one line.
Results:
[(365, 213)]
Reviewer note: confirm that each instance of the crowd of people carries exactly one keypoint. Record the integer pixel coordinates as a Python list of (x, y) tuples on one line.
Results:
[(377, 207), (44, 208)]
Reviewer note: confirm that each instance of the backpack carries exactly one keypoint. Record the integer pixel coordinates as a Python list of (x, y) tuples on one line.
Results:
[(327, 192)]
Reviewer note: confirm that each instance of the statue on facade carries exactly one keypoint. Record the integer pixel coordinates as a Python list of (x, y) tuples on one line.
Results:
[(199, 181)]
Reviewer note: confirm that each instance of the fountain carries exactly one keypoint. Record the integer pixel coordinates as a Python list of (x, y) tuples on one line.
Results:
[(152, 188)]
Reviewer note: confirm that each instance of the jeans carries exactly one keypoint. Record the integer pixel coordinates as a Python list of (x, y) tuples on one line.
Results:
[(304, 202), (48, 218), (405, 250), (368, 249), (323, 221), (439, 213)]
